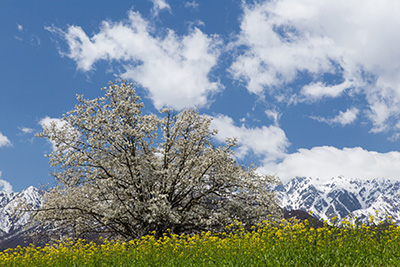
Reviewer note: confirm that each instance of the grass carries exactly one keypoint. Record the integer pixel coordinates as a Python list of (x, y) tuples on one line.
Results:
[(283, 243)]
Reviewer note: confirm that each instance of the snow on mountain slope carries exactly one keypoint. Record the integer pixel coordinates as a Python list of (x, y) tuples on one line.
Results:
[(8, 204), (342, 197)]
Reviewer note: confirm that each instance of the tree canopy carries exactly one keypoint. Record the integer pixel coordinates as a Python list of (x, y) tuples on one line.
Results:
[(122, 172)]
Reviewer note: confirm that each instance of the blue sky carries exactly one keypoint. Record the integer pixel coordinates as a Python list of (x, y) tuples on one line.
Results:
[(309, 87)]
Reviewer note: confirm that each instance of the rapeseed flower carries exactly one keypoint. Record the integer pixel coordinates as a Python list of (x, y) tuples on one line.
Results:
[(267, 243)]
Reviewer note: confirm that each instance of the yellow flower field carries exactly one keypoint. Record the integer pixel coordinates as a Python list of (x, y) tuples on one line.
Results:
[(283, 243)]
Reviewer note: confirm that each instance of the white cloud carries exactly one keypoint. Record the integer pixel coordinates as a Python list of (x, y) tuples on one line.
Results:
[(382, 110), (191, 4), (27, 130), (175, 69), (270, 141), (4, 141), (271, 60), (159, 5), (326, 162), (6, 186), (273, 115), (20, 27), (354, 39), (343, 118), (318, 90)]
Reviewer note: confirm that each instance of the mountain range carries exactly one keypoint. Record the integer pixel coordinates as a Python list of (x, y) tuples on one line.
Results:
[(339, 196), (342, 197)]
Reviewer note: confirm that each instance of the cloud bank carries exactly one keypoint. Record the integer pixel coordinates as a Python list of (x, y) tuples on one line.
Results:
[(332, 48), (341, 47), (326, 162)]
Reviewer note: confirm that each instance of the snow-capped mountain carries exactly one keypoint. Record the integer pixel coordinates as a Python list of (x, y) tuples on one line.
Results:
[(9, 203), (342, 197)]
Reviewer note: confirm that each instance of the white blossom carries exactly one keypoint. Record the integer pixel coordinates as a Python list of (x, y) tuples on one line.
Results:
[(126, 173)]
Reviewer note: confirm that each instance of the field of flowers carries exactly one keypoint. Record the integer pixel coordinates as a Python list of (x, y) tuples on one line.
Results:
[(284, 243)]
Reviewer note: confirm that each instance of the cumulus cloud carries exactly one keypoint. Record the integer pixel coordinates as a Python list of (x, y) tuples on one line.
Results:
[(4, 141), (355, 41), (175, 69), (5, 186), (326, 162), (270, 141), (343, 118)]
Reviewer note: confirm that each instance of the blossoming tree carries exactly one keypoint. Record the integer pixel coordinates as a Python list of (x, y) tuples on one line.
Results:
[(126, 173)]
